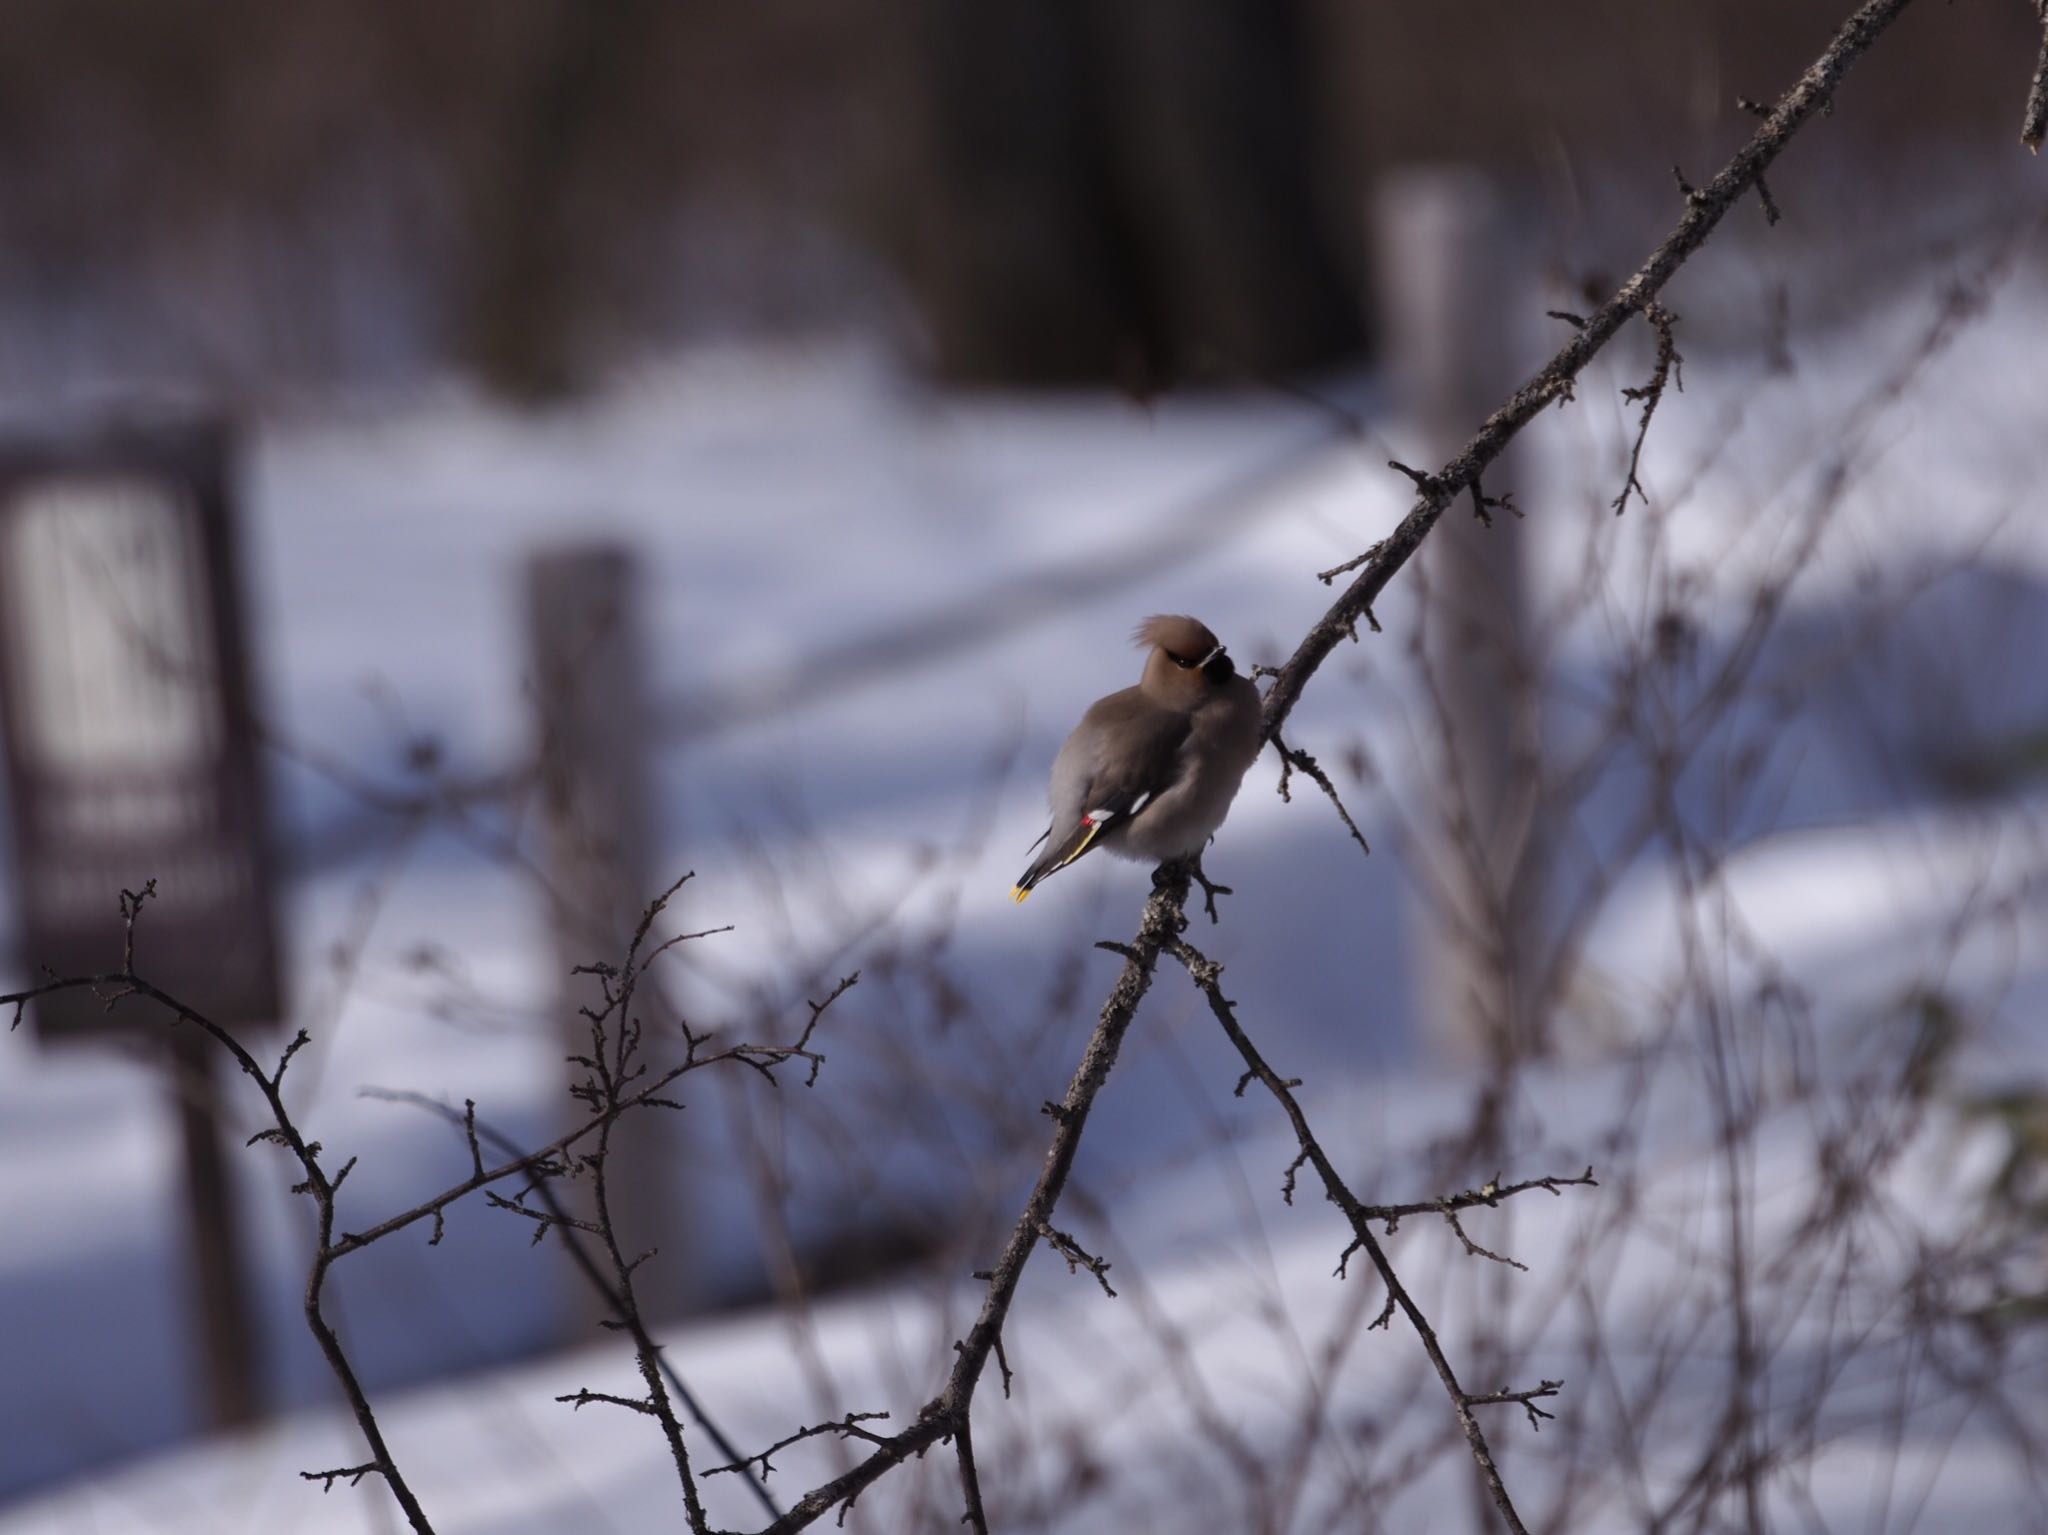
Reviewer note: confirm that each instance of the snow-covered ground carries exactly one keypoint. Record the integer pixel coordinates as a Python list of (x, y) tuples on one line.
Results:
[(913, 595)]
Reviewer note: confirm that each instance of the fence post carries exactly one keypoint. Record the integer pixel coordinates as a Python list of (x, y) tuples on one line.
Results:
[(592, 711), (215, 1247), (1449, 253)]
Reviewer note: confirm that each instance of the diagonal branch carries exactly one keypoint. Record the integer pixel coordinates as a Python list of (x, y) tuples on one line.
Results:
[(2034, 122), (1292, 759), (947, 1413), (1704, 210), (475, 1130), (848, 1426), (1666, 372), (1207, 975)]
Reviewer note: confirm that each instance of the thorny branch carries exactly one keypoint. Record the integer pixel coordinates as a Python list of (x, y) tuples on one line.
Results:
[(1077, 1257), (976, 1518), (612, 1067), (317, 1185), (1526, 1400), (349, 1474), (1552, 383), (1207, 975), (2034, 123), (1293, 760), (946, 1414), (1668, 371), (586, 1264), (849, 1426)]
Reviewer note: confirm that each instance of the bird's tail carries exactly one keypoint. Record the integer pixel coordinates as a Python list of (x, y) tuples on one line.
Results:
[(1057, 856)]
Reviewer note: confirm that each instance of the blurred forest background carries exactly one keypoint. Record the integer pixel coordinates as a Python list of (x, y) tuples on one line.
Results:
[(243, 195)]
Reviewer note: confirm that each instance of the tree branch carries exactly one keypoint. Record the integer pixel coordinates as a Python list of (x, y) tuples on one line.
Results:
[(2034, 122), (942, 1418), (1704, 209), (1207, 974)]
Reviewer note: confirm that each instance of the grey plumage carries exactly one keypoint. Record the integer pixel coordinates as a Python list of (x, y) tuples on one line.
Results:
[(1150, 771)]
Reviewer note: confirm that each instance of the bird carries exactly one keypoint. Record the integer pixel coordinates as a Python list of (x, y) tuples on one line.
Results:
[(1150, 771)]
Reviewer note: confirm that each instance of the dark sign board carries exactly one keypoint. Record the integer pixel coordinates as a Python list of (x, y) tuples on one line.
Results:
[(125, 701)]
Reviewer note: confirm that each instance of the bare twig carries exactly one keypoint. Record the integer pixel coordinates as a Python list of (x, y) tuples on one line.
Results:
[(1292, 760), (474, 1130), (350, 1474), (848, 1426), (1526, 1400), (1077, 1257), (605, 1092), (1666, 372), (316, 1185), (975, 1518), (941, 1418), (1206, 974), (2034, 121), (1553, 382), (1489, 1195), (583, 1398), (610, 1068)]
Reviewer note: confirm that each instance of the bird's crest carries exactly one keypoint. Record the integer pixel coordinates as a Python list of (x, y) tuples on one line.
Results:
[(1188, 640)]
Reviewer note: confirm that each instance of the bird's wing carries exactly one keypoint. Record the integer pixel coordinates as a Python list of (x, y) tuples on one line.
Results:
[(1125, 751)]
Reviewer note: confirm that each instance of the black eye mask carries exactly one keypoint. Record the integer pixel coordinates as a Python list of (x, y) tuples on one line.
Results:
[(1215, 665)]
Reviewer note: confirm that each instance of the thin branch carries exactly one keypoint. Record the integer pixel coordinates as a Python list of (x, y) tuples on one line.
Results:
[(316, 1185), (1526, 1400), (1327, 577), (608, 1103), (350, 1474), (474, 1130), (761, 1058), (603, 1088), (1078, 1257), (976, 1518), (1553, 382), (1292, 760), (2034, 122), (1207, 974), (1472, 1248), (941, 1418), (1489, 1195), (584, 1398), (848, 1427), (1666, 371)]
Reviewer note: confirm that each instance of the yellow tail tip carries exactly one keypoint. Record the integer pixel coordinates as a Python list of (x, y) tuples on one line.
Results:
[(1019, 894)]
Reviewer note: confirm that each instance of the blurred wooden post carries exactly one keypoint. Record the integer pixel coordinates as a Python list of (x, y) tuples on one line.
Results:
[(591, 697), (1453, 263), (213, 1236)]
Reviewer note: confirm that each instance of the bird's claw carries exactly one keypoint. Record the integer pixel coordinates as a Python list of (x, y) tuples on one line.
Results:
[(1210, 890)]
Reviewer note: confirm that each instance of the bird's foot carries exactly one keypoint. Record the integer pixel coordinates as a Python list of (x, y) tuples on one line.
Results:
[(1210, 890)]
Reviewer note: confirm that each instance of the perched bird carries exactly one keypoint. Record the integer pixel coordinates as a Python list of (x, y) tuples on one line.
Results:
[(1150, 772)]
